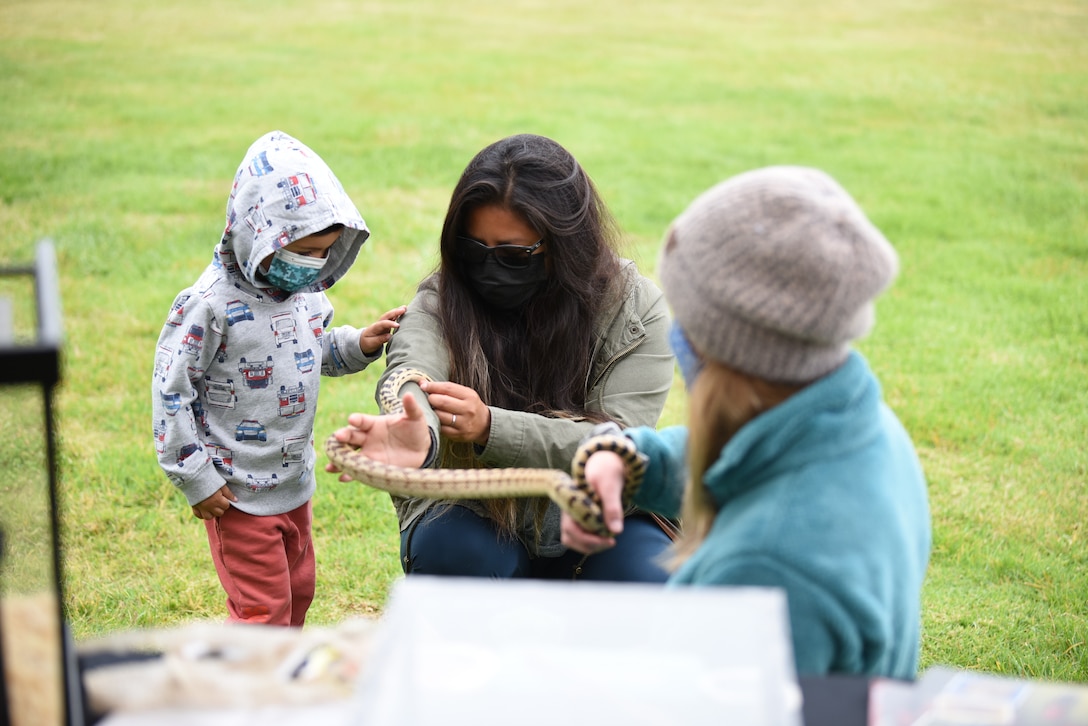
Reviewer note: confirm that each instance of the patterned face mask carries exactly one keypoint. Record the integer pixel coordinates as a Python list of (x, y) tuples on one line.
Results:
[(290, 272), (687, 359)]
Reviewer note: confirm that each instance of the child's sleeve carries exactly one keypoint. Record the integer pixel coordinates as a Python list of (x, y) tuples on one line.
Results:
[(187, 342), (662, 489), (340, 351)]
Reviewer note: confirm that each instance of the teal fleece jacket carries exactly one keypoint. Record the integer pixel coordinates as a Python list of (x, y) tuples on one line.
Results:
[(824, 497)]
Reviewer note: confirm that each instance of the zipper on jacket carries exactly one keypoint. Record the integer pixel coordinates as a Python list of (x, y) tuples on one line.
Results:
[(616, 359)]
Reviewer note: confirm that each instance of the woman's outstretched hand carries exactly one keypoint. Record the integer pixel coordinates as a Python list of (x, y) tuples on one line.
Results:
[(399, 439)]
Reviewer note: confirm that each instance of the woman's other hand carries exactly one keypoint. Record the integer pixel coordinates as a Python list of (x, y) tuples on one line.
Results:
[(461, 413)]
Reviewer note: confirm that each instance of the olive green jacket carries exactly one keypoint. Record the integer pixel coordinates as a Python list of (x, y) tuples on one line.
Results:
[(629, 380)]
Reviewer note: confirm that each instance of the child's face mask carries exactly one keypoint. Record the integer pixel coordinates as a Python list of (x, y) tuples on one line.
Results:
[(290, 272)]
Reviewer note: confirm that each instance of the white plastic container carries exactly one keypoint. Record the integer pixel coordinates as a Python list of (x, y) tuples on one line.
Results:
[(472, 651)]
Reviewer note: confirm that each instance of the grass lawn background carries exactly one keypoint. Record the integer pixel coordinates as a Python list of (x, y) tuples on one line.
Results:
[(961, 127)]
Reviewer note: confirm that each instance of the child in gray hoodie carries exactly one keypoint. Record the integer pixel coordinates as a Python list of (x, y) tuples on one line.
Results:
[(239, 360)]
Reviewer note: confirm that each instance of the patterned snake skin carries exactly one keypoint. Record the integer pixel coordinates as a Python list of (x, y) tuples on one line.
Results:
[(570, 492)]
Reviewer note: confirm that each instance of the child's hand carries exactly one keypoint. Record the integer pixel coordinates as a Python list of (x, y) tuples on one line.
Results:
[(216, 505), (376, 335)]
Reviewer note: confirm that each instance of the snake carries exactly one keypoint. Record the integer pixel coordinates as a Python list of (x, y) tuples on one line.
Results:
[(571, 492)]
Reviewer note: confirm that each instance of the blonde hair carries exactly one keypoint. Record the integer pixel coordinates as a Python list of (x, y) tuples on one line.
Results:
[(720, 402)]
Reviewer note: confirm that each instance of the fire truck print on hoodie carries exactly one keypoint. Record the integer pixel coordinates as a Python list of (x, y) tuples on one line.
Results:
[(236, 374)]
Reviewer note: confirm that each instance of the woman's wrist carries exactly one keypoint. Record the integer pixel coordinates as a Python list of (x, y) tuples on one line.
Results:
[(481, 441), (432, 452)]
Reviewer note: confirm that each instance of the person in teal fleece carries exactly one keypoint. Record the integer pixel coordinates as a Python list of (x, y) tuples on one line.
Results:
[(792, 473)]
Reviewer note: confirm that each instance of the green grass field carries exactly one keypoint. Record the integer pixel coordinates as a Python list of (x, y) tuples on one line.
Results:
[(960, 126)]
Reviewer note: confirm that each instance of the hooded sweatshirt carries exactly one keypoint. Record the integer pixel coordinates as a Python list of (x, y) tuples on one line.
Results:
[(235, 383)]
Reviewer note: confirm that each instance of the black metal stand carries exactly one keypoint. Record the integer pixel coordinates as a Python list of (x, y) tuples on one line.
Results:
[(40, 362)]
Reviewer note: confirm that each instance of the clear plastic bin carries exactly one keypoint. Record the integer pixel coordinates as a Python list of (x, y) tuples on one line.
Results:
[(468, 651)]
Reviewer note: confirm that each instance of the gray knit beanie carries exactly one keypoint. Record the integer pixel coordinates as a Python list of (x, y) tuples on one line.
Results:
[(773, 272)]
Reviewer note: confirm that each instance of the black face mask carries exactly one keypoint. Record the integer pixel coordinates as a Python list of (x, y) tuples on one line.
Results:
[(505, 287)]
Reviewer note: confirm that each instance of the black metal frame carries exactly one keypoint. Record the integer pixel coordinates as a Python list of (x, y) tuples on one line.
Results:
[(40, 362)]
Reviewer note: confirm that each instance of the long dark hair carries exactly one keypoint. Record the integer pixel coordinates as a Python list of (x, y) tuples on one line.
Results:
[(535, 359)]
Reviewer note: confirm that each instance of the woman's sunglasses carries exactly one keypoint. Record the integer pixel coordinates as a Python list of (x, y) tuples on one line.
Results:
[(513, 256)]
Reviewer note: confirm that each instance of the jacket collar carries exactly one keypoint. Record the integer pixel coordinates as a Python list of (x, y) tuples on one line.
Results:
[(836, 414)]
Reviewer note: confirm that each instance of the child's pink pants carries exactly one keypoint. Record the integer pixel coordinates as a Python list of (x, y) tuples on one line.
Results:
[(265, 564)]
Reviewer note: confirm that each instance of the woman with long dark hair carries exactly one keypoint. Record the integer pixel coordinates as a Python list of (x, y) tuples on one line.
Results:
[(533, 330)]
